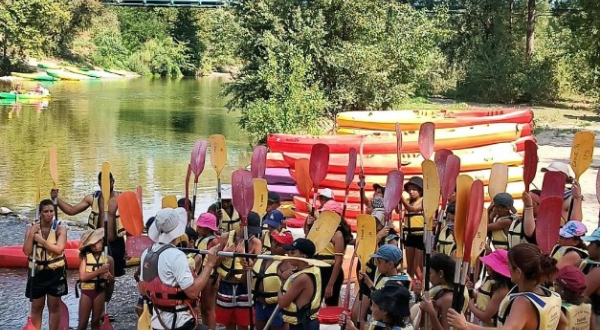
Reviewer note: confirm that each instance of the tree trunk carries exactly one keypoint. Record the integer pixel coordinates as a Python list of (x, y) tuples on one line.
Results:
[(530, 27), (511, 7)]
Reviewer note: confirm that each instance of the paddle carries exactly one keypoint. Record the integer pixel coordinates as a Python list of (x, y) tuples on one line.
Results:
[(393, 193), (169, 201), (426, 139), (361, 174), (186, 203), (553, 184), (303, 183), (498, 180), (259, 162), (197, 161), (463, 192), (346, 309), (448, 183), (323, 229), (440, 158), (129, 211), (582, 153), (135, 245), (530, 163), (398, 145), (598, 193), (261, 196), (139, 197), (318, 165), (106, 193), (243, 201), (218, 158), (431, 201), (349, 176), (548, 222), (367, 237), (313, 262), (479, 241), (145, 320)]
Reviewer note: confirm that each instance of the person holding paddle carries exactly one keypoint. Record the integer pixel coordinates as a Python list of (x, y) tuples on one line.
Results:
[(46, 240), (226, 213), (273, 203), (274, 223), (207, 229), (413, 227), (572, 195), (445, 241), (577, 312), (501, 214), (570, 249), (591, 269), (522, 229)]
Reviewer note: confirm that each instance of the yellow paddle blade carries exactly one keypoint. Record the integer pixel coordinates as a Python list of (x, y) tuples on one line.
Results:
[(582, 152), (218, 152), (261, 196), (287, 210), (37, 195), (105, 184), (498, 179), (431, 191), (463, 192), (54, 166), (169, 201), (145, 321), (323, 229), (366, 236), (479, 241)]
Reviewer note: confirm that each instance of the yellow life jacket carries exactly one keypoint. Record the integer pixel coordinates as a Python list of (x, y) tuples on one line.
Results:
[(516, 233), (438, 291), (377, 325), (588, 264), (91, 264), (484, 295), (578, 317), (230, 223), (292, 314), (499, 237), (446, 244), (414, 220), (95, 221), (381, 280), (548, 307), (226, 268), (559, 251), (267, 276), (327, 255), (45, 259), (202, 244), (266, 241)]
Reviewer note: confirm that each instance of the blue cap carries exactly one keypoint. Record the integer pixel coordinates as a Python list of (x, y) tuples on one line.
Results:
[(390, 253), (594, 237), (274, 219)]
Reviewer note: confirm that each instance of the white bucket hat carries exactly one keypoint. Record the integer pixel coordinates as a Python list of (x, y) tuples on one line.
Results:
[(226, 192), (168, 225), (559, 167)]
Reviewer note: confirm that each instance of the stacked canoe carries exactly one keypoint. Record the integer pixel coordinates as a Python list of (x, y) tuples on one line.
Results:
[(479, 137), (55, 72)]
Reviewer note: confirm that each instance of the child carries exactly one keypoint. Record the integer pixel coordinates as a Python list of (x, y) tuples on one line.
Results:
[(206, 227), (387, 259), (501, 214), (413, 226), (445, 239), (95, 275), (570, 284), (493, 289)]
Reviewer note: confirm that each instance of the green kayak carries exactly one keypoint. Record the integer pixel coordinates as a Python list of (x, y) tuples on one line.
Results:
[(48, 66), (24, 96), (82, 72)]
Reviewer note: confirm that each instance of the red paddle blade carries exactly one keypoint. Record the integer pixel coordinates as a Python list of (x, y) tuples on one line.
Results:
[(548, 223), (399, 144), (259, 162), (450, 175), (129, 210), (198, 158), (319, 163), (553, 184), (243, 192), (303, 181), (426, 139), (393, 190), (106, 323), (530, 163), (64, 316), (473, 216), (135, 245), (351, 169), (29, 325), (440, 158), (187, 187)]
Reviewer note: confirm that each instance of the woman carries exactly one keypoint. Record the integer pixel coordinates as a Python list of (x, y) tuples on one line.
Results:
[(522, 229), (413, 226), (570, 249), (493, 289), (528, 306), (577, 312), (207, 229), (46, 240)]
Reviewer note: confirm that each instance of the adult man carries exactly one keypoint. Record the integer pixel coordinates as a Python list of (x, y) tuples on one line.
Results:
[(226, 213), (115, 230), (167, 277)]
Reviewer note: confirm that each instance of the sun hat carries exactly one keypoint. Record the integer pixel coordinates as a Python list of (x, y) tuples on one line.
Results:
[(559, 167), (207, 220), (572, 278), (305, 246), (168, 225), (572, 229), (226, 191), (283, 238), (393, 299), (91, 237), (594, 237), (327, 193), (388, 252), (506, 200), (254, 223), (414, 181), (334, 206), (274, 219), (497, 261)]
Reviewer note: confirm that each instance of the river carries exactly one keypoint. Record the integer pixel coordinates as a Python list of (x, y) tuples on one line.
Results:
[(145, 128)]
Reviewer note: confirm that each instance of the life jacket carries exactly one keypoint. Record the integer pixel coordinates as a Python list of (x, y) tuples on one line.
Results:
[(547, 307), (381, 280), (414, 220), (578, 317), (202, 244), (499, 237), (327, 255), (377, 325), (484, 295), (292, 314), (45, 259), (267, 276), (266, 241), (95, 221), (588, 264), (230, 223), (438, 291), (164, 297), (231, 266), (446, 244), (516, 233), (93, 263), (559, 251)]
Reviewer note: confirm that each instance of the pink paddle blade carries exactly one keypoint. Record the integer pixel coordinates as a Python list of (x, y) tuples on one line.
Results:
[(553, 184), (351, 169), (450, 175), (135, 245), (243, 192), (548, 223), (319, 163), (64, 316), (259, 162), (106, 323), (198, 158), (426, 139), (530, 163), (440, 158), (473, 216), (29, 325), (393, 190), (399, 144)]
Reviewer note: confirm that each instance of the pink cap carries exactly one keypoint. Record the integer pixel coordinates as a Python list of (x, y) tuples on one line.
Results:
[(498, 262), (207, 220), (334, 206)]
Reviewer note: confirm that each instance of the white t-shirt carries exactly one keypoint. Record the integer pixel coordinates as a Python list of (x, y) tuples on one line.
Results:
[(173, 270)]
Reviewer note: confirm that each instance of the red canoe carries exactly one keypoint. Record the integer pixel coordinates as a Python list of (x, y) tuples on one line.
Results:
[(13, 257)]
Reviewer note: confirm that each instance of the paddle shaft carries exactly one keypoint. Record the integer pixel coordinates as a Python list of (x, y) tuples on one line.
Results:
[(249, 272), (272, 317), (193, 207), (348, 281), (219, 198)]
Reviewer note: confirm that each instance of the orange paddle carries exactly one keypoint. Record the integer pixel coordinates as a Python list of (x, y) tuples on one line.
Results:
[(463, 192), (129, 210), (303, 182)]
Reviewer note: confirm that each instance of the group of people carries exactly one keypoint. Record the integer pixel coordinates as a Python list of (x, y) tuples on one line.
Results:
[(514, 286), (39, 89)]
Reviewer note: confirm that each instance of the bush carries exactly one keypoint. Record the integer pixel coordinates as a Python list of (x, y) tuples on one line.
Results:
[(161, 57)]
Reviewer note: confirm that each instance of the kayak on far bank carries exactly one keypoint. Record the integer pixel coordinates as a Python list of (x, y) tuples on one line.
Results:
[(24, 96)]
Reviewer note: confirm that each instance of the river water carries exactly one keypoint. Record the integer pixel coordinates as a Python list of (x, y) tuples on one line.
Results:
[(145, 128)]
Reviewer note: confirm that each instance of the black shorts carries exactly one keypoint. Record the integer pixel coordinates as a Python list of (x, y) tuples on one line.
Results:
[(326, 273), (116, 250), (414, 241), (47, 282)]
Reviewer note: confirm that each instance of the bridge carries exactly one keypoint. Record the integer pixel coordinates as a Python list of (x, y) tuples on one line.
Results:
[(169, 3)]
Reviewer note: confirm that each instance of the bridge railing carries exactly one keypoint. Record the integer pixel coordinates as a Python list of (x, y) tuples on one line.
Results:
[(169, 3)]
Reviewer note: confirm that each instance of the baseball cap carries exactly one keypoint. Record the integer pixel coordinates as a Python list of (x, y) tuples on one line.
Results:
[(303, 245), (388, 252), (559, 167), (572, 278), (378, 186), (572, 229), (328, 193), (254, 223), (273, 197), (594, 237), (414, 181), (498, 262), (275, 218), (283, 238), (226, 192), (506, 200), (393, 298)]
